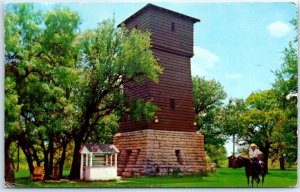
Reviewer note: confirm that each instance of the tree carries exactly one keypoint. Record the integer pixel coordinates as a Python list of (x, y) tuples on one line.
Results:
[(18, 46), (229, 119), (264, 120), (41, 55), (257, 120), (286, 85), (216, 154), (110, 58), (12, 127), (62, 86), (208, 96), (59, 55)]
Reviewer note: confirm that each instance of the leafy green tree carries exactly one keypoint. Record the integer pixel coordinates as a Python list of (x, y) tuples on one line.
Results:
[(65, 86), (41, 54), (59, 55), (12, 127), (111, 57), (258, 120), (217, 154), (287, 76), (229, 119), (208, 96), (18, 44), (264, 120), (286, 85)]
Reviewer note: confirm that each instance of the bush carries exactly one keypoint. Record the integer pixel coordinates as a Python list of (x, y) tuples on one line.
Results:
[(216, 155), (176, 172)]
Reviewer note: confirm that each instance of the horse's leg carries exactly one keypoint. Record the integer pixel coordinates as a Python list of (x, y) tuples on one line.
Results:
[(252, 180), (263, 172), (248, 180), (258, 180)]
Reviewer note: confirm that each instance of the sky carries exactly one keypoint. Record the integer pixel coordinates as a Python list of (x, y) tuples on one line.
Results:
[(238, 44)]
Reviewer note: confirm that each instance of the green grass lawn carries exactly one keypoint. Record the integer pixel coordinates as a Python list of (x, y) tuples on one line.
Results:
[(223, 177)]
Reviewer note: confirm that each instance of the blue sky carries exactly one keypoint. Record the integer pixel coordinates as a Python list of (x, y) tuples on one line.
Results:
[(238, 44)]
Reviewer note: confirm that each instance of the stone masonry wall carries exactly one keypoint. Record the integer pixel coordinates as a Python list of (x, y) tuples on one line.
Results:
[(157, 152)]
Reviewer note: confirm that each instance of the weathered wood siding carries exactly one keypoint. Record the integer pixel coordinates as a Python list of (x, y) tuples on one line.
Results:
[(142, 22), (173, 50), (179, 41), (175, 83)]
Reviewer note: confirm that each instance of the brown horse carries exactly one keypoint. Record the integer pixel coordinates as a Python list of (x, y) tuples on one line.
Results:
[(251, 169)]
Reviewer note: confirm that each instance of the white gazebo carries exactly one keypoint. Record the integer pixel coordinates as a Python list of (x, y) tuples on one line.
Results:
[(98, 162)]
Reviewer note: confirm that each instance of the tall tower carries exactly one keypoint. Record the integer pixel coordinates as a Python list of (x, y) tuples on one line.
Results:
[(171, 141)]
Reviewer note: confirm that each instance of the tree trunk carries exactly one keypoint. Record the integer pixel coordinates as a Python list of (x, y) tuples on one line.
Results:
[(51, 155), (281, 162), (266, 150), (18, 160), (62, 158), (79, 138), (28, 157), (46, 164), (27, 152), (46, 153), (35, 156), (9, 164), (75, 169), (233, 144)]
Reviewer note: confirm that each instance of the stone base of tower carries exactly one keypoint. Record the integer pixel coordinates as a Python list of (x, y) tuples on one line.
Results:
[(157, 152)]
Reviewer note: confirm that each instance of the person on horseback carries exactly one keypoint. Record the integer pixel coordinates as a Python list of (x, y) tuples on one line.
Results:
[(254, 153)]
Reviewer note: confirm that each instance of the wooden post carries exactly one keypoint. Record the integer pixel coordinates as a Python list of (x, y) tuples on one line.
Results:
[(106, 160), (81, 166), (110, 157), (86, 160), (91, 159), (116, 159)]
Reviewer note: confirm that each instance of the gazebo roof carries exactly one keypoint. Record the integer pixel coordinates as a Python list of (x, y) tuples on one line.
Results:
[(99, 148)]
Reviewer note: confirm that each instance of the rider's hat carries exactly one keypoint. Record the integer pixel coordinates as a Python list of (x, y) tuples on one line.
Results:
[(253, 145)]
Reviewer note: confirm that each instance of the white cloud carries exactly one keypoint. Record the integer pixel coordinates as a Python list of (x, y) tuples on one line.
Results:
[(203, 59), (278, 29), (233, 76), (196, 70), (206, 58)]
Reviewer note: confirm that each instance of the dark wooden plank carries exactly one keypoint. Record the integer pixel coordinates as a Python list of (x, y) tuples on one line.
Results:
[(173, 50)]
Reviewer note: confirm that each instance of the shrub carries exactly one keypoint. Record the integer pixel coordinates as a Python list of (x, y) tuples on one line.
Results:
[(176, 172)]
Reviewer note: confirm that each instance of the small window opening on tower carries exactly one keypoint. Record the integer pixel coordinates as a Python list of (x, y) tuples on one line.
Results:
[(128, 153), (172, 104), (172, 26), (179, 158)]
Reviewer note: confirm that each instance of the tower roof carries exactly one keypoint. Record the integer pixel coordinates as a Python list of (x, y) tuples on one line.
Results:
[(154, 7)]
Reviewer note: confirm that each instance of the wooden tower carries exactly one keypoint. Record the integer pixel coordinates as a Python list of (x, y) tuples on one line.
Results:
[(171, 141)]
